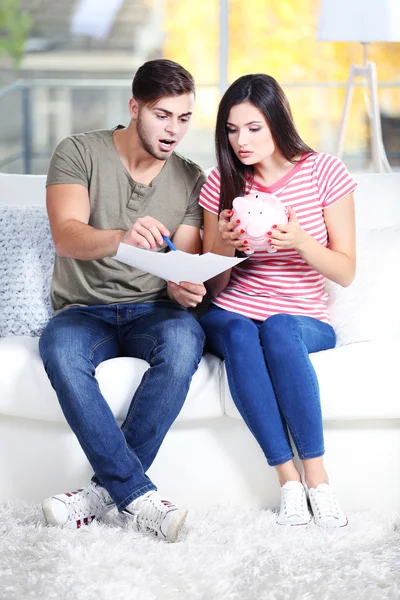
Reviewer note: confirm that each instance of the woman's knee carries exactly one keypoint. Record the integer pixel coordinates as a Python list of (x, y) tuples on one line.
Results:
[(293, 331), (280, 326), (229, 326), (279, 334), (280, 322)]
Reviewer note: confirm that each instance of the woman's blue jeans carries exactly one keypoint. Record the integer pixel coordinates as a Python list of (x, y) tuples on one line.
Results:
[(80, 338), (271, 378)]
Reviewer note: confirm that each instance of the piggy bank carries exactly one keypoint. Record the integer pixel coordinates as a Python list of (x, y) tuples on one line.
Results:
[(258, 212)]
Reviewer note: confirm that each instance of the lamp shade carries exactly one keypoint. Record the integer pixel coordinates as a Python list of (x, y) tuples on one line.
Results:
[(359, 21)]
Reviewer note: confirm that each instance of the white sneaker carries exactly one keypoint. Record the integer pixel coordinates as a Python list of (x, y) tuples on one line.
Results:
[(327, 512), (152, 514), (294, 507), (74, 509)]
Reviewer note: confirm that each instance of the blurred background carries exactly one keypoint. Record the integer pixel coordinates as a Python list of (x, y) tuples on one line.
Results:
[(66, 66)]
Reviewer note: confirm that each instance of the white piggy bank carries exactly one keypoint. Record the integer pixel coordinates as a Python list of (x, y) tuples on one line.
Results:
[(257, 213)]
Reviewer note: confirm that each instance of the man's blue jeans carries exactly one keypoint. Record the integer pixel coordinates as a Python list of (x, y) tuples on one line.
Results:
[(78, 339), (271, 378)]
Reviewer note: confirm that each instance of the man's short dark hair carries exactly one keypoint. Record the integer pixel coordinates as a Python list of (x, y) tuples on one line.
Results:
[(158, 78)]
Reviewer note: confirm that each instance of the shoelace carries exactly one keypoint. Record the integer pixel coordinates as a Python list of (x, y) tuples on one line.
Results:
[(326, 504), (150, 514), (294, 503), (86, 502)]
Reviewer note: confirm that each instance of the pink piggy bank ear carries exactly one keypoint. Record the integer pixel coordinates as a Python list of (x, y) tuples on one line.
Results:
[(281, 214), (239, 203), (268, 200)]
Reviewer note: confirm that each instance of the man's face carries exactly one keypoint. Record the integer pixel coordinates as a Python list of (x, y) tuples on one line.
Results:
[(162, 125)]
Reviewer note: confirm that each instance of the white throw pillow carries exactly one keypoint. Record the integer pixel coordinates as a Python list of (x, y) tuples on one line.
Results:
[(369, 309), (26, 266)]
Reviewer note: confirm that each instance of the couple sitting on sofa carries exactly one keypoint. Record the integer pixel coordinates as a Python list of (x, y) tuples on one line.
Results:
[(267, 314)]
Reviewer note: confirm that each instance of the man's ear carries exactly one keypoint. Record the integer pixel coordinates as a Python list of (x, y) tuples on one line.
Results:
[(133, 108)]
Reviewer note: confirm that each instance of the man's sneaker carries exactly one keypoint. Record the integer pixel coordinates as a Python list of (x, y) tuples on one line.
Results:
[(152, 514), (74, 509), (294, 507), (327, 512)]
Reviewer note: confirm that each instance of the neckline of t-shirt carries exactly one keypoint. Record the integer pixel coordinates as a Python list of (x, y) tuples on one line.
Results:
[(283, 180), (125, 170)]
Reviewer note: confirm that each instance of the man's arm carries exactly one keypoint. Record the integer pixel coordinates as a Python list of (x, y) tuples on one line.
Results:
[(187, 239), (68, 208)]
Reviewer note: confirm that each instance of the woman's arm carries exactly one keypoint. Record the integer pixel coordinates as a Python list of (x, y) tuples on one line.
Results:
[(220, 237), (338, 262)]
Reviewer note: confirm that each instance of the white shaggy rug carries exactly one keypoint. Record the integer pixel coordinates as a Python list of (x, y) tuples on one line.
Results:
[(223, 553)]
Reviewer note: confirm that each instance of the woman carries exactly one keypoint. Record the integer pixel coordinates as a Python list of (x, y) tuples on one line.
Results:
[(269, 312)]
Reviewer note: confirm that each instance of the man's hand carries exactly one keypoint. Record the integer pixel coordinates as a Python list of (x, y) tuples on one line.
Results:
[(186, 294), (146, 233)]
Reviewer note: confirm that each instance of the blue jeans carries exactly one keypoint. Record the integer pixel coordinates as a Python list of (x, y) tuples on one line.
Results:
[(271, 378), (78, 339)]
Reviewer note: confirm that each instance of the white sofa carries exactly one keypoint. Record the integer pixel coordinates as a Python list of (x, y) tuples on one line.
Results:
[(209, 457)]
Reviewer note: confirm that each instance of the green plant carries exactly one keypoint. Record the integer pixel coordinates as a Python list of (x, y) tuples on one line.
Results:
[(14, 29)]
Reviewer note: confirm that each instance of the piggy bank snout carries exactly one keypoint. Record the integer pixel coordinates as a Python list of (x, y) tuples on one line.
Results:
[(259, 224), (256, 216), (255, 229)]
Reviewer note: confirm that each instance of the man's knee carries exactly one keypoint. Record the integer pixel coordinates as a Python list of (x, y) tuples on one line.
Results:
[(187, 333), (51, 344), (184, 341), (60, 346)]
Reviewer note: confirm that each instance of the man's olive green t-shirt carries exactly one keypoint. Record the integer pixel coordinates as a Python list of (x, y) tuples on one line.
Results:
[(116, 201)]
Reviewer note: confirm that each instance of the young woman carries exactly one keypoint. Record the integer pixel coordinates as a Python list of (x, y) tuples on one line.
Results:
[(269, 312)]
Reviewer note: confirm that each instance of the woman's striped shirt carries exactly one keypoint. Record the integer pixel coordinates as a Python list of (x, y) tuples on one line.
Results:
[(269, 283)]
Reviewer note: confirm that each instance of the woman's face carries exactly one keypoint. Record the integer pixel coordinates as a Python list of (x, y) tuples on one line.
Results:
[(249, 134)]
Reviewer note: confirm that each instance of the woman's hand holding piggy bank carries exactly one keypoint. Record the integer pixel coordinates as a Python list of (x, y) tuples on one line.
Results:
[(257, 213)]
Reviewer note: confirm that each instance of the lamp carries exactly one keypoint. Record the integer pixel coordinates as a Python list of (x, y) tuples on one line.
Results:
[(362, 21)]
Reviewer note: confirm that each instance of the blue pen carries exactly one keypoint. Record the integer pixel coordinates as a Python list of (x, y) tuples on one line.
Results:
[(169, 243)]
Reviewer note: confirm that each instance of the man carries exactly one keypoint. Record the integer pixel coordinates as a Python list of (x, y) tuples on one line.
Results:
[(106, 187)]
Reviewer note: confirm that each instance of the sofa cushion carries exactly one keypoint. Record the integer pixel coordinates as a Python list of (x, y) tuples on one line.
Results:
[(22, 189), (358, 381), (26, 265), (25, 390), (377, 200), (368, 308)]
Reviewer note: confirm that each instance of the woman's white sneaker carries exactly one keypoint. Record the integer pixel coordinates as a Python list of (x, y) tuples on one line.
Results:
[(152, 514), (74, 509), (325, 507), (294, 507)]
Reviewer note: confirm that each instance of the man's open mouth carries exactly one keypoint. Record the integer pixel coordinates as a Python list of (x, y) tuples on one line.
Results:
[(167, 144)]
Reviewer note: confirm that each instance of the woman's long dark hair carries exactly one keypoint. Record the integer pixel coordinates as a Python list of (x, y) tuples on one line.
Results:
[(266, 94)]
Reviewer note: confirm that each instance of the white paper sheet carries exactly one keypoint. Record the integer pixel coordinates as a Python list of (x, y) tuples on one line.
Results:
[(176, 266)]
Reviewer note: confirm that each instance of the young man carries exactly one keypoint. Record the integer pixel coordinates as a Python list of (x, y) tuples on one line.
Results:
[(106, 187)]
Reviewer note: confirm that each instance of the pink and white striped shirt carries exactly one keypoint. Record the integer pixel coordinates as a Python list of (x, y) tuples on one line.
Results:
[(266, 284)]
